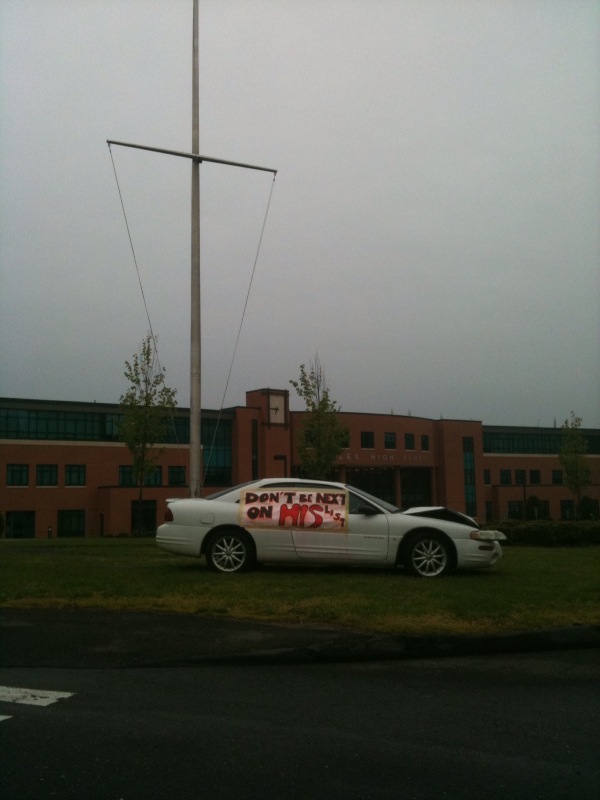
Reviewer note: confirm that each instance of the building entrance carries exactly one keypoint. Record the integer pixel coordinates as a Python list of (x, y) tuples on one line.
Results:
[(20, 524), (143, 517), (378, 482), (416, 487)]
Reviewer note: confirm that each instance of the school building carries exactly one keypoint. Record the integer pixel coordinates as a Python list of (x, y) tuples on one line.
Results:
[(64, 472)]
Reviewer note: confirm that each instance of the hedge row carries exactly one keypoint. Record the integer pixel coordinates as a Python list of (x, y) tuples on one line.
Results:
[(550, 534)]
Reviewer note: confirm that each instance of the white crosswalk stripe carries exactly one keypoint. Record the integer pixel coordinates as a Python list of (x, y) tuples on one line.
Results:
[(30, 697)]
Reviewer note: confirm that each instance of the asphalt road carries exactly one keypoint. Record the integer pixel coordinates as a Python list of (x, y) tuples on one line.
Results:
[(508, 726), (157, 706)]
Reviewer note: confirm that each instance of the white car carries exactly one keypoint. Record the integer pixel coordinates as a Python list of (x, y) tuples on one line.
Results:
[(319, 522)]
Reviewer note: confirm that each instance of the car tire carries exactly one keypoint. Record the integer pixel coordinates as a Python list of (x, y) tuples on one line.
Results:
[(429, 555), (230, 551)]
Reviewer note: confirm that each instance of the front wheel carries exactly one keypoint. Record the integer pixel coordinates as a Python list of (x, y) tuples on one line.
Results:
[(230, 551), (429, 556)]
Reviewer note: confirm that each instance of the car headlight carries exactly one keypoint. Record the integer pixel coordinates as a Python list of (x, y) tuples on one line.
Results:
[(488, 536)]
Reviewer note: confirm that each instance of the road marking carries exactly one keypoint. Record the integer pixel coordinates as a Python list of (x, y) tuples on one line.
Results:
[(30, 697), (3, 718)]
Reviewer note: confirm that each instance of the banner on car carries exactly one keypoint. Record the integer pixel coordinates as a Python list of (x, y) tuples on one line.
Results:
[(300, 509)]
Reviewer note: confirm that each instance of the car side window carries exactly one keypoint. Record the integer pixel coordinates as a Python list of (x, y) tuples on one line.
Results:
[(357, 504)]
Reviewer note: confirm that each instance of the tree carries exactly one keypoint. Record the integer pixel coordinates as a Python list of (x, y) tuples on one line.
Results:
[(573, 459), (322, 435), (146, 408)]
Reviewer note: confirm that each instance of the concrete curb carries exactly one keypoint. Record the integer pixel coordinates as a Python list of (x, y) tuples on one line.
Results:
[(97, 639), (382, 648)]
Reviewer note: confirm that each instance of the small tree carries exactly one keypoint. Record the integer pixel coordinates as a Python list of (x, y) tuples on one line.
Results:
[(322, 435), (573, 459), (146, 408)]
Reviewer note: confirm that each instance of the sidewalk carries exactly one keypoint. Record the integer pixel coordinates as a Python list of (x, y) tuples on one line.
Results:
[(99, 639)]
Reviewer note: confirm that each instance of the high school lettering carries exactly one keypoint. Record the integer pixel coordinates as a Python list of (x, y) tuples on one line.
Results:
[(285, 508)]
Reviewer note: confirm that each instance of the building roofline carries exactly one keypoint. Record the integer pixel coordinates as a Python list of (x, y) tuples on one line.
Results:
[(93, 405)]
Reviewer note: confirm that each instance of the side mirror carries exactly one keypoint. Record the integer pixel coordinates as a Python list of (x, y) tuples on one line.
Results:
[(367, 510)]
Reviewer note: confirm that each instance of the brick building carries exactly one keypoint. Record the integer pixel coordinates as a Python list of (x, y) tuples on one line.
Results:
[(64, 472)]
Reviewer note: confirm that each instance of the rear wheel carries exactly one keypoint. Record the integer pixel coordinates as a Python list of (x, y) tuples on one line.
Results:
[(429, 556), (230, 551)]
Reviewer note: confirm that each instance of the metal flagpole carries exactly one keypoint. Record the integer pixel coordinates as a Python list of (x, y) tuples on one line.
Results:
[(195, 332)]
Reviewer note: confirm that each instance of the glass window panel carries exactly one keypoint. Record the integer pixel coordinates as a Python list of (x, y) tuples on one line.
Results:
[(367, 440), (177, 476), (390, 441), (75, 475), (47, 475), (17, 474)]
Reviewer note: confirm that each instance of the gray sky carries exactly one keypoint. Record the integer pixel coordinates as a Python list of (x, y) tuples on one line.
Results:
[(434, 232)]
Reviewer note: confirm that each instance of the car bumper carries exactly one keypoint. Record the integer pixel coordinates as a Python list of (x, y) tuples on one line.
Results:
[(477, 555), (178, 539)]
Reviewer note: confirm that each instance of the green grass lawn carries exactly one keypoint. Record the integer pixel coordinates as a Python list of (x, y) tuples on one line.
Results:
[(531, 588)]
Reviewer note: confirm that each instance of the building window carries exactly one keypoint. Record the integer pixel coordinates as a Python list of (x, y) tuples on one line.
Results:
[(153, 477), (176, 476), (557, 477), (71, 523), (17, 474), (254, 455), (367, 440), (489, 510), (469, 475), (589, 508), (409, 441), (217, 452), (47, 475), (470, 501), (487, 477), (16, 423), (75, 475), (520, 477), (20, 525), (389, 441), (143, 517), (425, 442), (567, 509), (537, 509), (534, 477), (515, 509), (505, 477), (542, 442), (126, 476)]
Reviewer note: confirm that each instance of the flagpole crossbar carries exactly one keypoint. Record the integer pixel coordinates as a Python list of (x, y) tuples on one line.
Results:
[(196, 157)]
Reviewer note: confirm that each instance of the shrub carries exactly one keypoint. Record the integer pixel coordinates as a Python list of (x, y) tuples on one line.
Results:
[(550, 534)]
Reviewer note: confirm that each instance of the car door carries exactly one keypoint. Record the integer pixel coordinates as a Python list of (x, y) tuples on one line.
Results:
[(361, 535), (259, 514)]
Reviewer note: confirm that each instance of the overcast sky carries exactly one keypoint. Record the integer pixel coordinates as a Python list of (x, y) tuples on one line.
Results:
[(434, 229)]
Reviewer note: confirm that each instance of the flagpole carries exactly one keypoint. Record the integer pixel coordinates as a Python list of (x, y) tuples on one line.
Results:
[(196, 461), (195, 328)]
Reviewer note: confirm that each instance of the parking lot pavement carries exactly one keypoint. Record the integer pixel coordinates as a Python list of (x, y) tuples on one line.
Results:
[(84, 638)]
